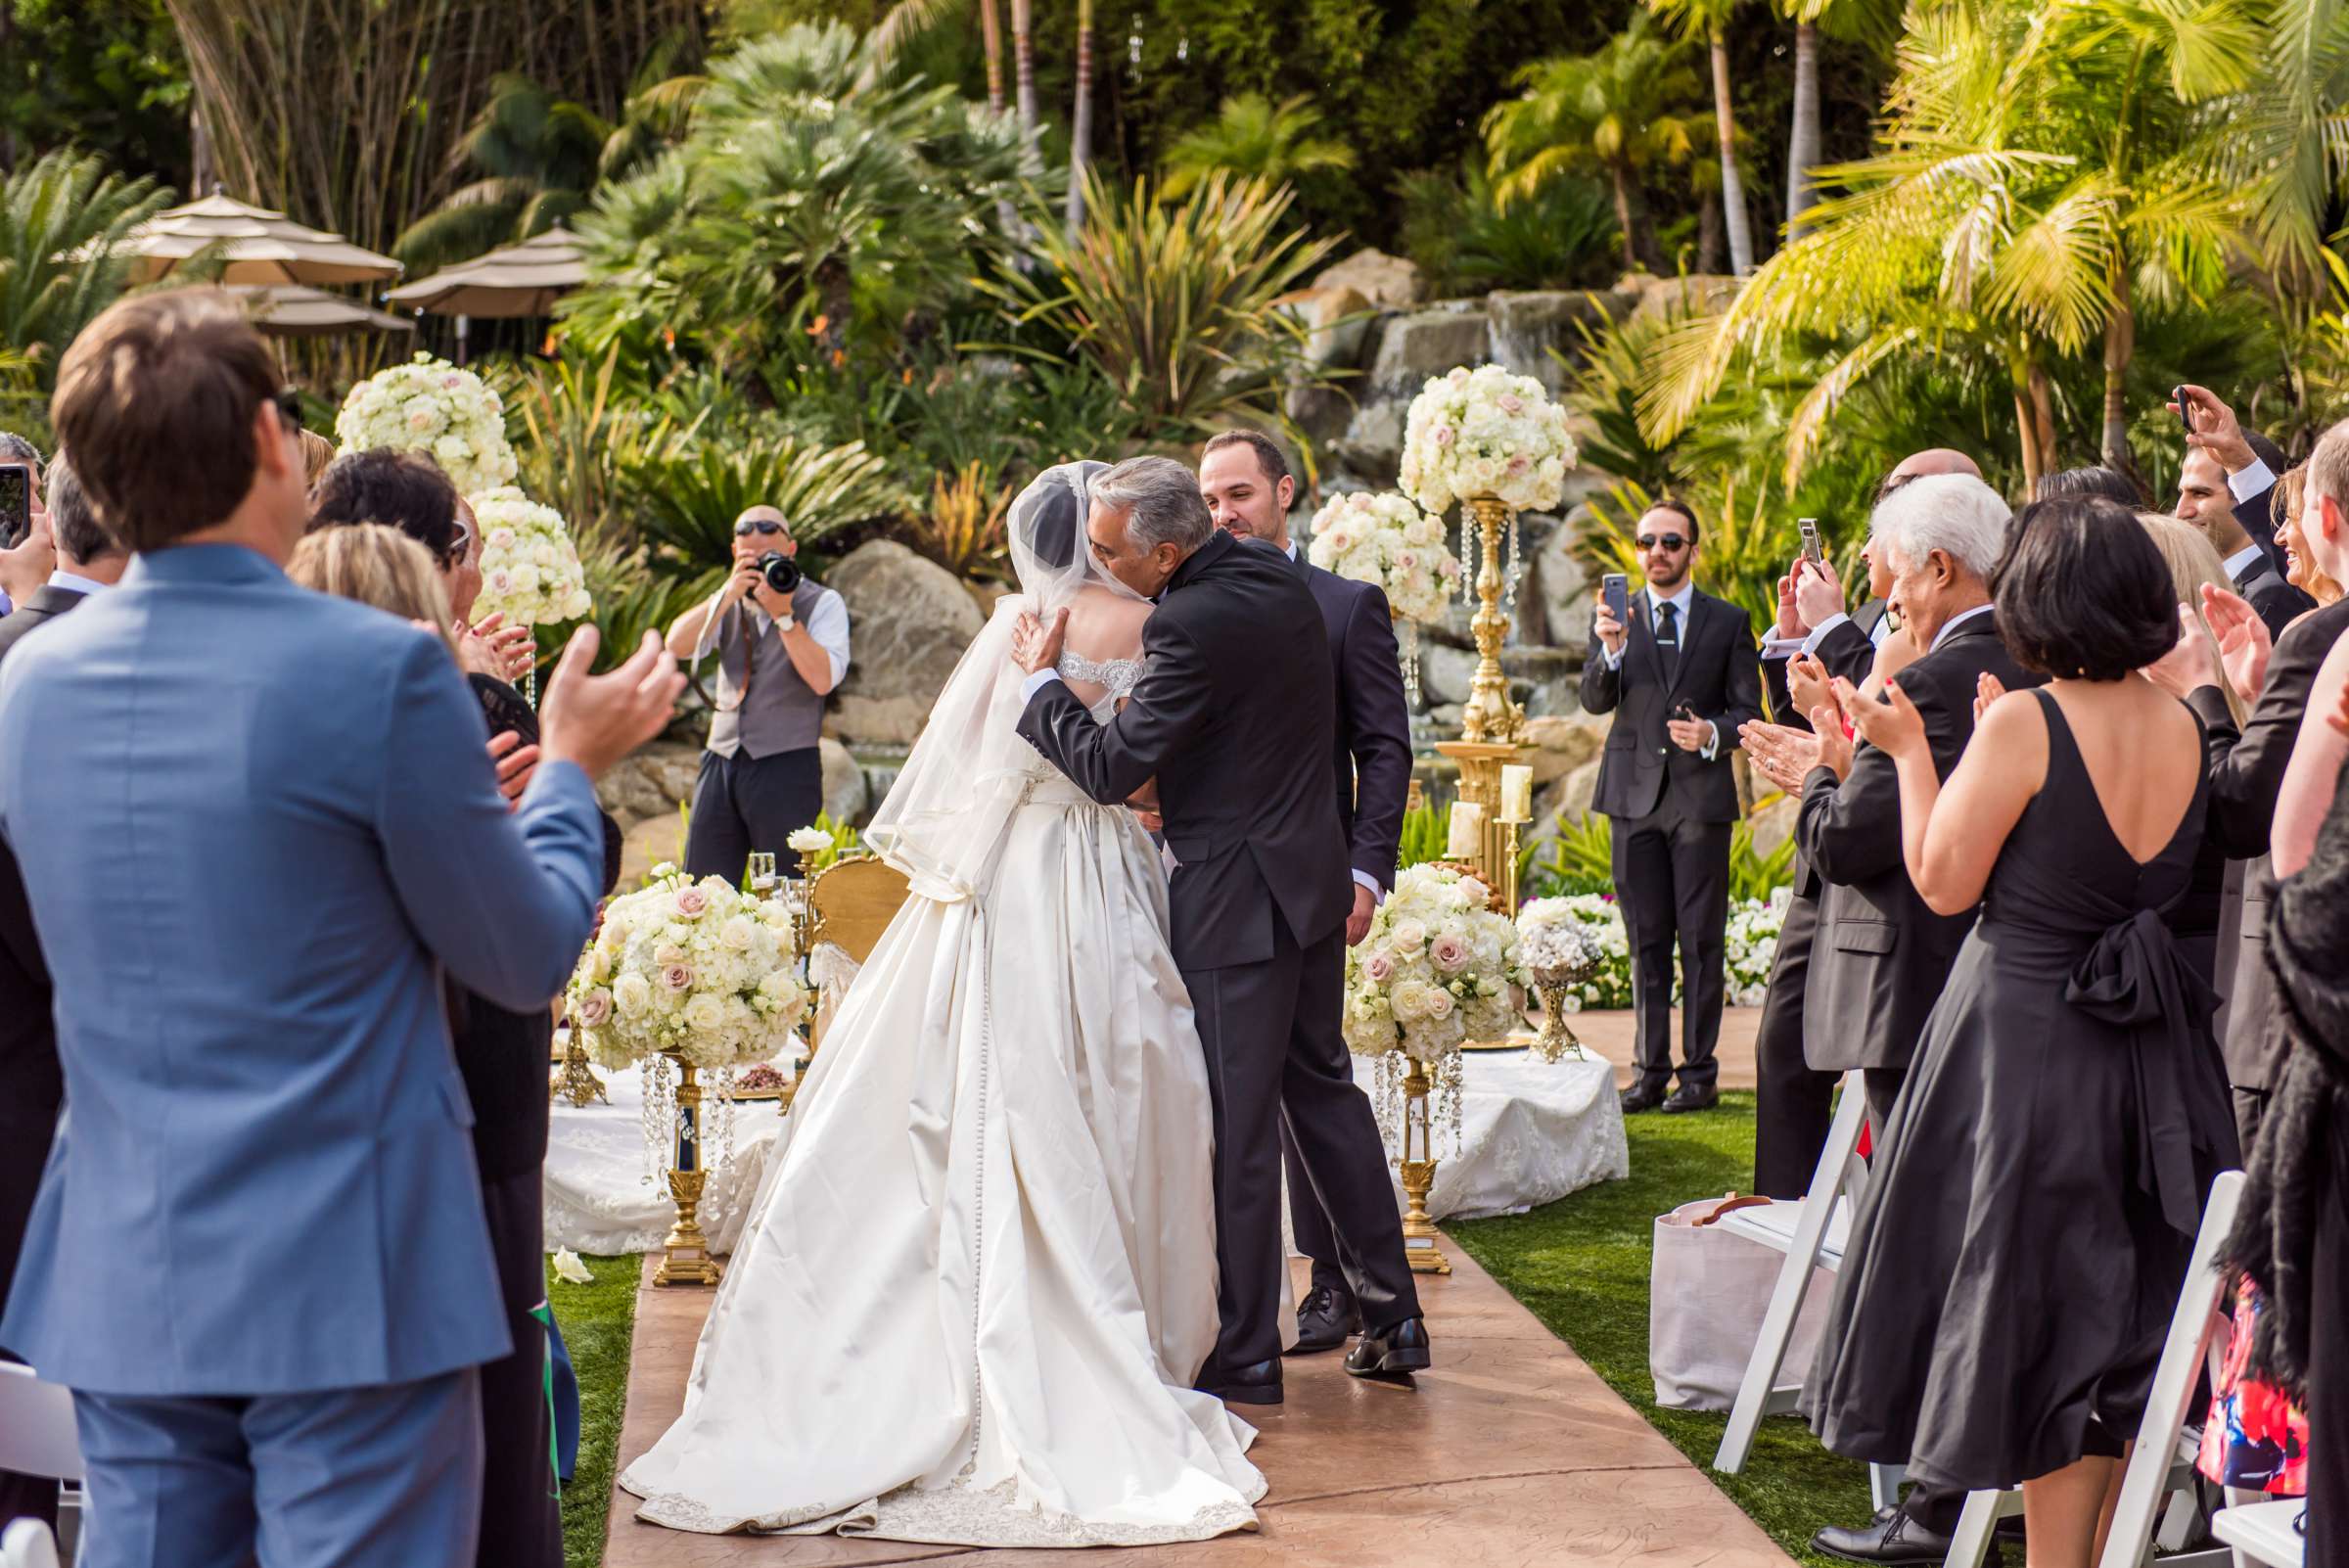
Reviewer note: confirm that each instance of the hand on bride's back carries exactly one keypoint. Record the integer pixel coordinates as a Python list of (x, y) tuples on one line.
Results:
[(1036, 643)]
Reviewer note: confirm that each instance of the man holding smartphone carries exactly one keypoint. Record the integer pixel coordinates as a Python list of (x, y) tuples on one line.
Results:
[(27, 548), (1680, 672)]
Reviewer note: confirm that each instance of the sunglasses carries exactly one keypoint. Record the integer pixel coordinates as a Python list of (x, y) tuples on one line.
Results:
[(1673, 542), (289, 406), (744, 530)]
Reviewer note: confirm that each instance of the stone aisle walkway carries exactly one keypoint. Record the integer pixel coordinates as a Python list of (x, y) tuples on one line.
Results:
[(1510, 1454)]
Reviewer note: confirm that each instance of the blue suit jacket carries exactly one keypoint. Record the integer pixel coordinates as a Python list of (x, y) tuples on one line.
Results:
[(255, 822)]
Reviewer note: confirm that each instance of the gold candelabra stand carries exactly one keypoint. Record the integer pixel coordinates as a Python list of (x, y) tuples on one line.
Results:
[(1491, 715), (1557, 1041), (577, 1082), (1422, 1242), (685, 1254)]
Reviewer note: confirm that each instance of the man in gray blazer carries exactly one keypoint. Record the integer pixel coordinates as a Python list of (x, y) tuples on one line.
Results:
[(255, 825)]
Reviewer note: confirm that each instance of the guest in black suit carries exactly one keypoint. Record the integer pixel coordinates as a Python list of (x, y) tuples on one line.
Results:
[(2223, 489), (1236, 720), (88, 560), (31, 1085), (502, 1055), (1794, 1102), (1248, 489), (1681, 680)]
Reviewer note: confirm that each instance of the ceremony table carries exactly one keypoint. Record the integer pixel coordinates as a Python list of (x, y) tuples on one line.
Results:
[(1531, 1134)]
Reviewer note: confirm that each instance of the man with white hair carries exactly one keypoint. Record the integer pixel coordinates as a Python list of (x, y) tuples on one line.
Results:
[(1880, 956)]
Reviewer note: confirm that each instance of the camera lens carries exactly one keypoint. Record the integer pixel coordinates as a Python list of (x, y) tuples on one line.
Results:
[(781, 571)]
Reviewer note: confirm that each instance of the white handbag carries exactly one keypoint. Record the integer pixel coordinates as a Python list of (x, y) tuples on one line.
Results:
[(1708, 1289)]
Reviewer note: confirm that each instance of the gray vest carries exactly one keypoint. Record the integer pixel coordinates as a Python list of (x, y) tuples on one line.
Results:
[(780, 711)]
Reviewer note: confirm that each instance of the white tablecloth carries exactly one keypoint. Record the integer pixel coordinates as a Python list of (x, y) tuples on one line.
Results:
[(1531, 1134)]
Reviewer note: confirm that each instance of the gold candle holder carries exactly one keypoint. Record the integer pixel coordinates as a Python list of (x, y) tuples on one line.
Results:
[(1491, 715), (685, 1254), (1556, 1041), (579, 1083), (1422, 1243), (1480, 764)]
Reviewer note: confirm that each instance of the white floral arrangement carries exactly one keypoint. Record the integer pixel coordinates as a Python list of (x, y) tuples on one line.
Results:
[(692, 967), (1385, 539), (431, 407), (1485, 431), (1751, 946), (530, 567), (1555, 946), (807, 841), (1436, 968)]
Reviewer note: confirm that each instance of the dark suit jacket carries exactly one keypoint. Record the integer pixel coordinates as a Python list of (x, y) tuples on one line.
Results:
[(46, 605), (32, 1086), (2267, 591), (2257, 515), (1238, 719), (1719, 677), (1849, 652), (1373, 758), (2246, 774), (1881, 956)]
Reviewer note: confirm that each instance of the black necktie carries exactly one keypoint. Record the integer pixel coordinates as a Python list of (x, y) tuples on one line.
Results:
[(1668, 635)]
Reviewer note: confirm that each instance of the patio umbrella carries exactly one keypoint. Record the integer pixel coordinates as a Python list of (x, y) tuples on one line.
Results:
[(295, 311), (261, 246), (521, 280)]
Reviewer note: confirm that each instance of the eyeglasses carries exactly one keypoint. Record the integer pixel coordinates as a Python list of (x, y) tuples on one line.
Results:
[(289, 406), (460, 545), (1671, 542), (761, 526)]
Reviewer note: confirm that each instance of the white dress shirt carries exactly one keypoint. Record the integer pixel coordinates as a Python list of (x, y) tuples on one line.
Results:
[(74, 582), (2242, 561), (1957, 621), (2250, 482)]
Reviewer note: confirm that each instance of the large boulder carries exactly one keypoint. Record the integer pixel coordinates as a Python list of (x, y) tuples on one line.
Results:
[(1562, 743), (909, 621), (1427, 342), (1370, 449), (1696, 293), (1337, 323), (1446, 674), (1528, 325), (1556, 604), (1387, 281), (846, 796), (650, 783)]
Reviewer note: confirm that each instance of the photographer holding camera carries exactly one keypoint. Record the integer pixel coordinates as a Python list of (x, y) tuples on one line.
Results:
[(782, 644)]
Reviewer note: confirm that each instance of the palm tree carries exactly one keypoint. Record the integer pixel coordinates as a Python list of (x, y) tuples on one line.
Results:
[(1872, 19), (1081, 121), (1709, 19), (536, 159), (2038, 168), (1253, 138), (1617, 111), (64, 220), (1022, 67)]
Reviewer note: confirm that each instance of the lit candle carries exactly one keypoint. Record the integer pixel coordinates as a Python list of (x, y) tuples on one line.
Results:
[(1516, 793), (1467, 840)]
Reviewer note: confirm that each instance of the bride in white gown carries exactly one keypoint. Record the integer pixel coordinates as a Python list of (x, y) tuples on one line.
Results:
[(979, 1281)]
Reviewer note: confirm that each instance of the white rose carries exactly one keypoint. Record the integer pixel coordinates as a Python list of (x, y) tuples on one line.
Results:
[(808, 841), (736, 934), (632, 995), (704, 1013), (567, 1266)]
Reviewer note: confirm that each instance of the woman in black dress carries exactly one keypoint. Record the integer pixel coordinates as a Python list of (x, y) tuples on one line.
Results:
[(2014, 1264)]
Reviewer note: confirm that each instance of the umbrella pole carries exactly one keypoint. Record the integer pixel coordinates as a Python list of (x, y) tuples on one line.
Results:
[(463, 322)]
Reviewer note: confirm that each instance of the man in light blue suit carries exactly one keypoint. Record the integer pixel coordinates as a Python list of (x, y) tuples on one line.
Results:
[(255, 825)]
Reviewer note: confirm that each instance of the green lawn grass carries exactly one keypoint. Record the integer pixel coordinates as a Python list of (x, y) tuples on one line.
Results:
[(1580, 1265), (597, 1321)]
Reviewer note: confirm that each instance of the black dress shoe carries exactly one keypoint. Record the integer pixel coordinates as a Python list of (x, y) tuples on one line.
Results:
[(1257, 1384), (1891, 1537), (1640, 1097), (1392, 1352), (1326, 1320), (1692, 1097)]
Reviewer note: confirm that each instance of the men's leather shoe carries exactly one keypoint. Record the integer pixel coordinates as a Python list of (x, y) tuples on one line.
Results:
[(1326, 1320), (1640, 1098), (1392, 1352), (1891, 1537), (1256, 1384), (1692, 1097)]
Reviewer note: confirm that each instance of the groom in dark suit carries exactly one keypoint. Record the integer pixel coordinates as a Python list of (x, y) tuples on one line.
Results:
[(1680, 678), (1235, 719), (1246, 482)]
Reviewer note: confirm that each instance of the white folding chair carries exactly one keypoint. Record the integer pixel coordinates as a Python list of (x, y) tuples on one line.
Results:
[(1810, 1235), (37, 1435), (2162, 1464), (2263, 1532), (28, 1544)]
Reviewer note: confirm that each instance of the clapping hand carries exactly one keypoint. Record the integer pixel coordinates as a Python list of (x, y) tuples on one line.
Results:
[(1892, 727), (1790, 617), (1779, 753), (2190, 662), (2243, 641), (1036, 644), (1988, 689), (494, 649), (1806, 683), (517, 764)]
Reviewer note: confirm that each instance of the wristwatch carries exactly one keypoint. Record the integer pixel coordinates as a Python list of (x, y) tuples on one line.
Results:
[(787, 622)]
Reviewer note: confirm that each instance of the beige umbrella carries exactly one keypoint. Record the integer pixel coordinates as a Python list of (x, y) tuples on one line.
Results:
[(261, 246), (521, 280), (295, 311)]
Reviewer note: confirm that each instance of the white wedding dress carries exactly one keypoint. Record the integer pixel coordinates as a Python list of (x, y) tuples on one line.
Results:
[(980, 1277)]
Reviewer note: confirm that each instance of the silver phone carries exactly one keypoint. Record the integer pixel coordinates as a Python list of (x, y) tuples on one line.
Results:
[(1615, 590), (1812, 550)]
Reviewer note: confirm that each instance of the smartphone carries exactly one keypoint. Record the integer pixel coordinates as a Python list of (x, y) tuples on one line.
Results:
[(1615, 588), (2186, 410), (16, 504), (1684, 712), (1812, 550)]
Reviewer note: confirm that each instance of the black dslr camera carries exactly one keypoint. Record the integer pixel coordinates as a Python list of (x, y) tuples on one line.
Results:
[(781, 571)]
